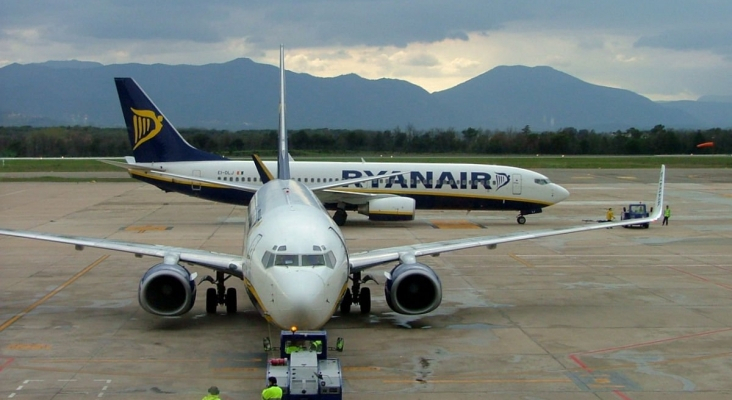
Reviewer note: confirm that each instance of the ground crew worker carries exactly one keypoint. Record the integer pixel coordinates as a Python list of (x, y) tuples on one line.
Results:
[(272, 392), (292, 347), (609, 216), (213, 394), (666, 215), (317, 345)]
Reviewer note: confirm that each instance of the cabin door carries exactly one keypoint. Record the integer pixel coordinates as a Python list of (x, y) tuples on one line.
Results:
[(516, 182), (196, 186)]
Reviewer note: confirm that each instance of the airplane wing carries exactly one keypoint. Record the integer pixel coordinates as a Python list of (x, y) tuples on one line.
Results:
[(193, 180), (349, 197), (131, 165), (327, 192), (407, 254), (227, 263)]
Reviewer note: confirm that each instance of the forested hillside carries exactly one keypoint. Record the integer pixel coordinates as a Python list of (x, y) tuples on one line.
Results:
[(112, 142)]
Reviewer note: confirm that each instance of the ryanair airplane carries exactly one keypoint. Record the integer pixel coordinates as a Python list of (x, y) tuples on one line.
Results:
[(164, 159), (294, 263)]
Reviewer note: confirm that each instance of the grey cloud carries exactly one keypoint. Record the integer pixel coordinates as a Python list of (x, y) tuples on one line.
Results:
[(321, 23), (719, 41)]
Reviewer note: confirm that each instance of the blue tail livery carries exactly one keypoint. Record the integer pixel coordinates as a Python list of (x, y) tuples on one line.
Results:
[(152, 137)]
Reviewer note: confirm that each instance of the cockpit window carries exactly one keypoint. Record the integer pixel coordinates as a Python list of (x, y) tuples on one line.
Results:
[(327, 259), (542, 181), (287, 260), (267, 259), (313, 260)]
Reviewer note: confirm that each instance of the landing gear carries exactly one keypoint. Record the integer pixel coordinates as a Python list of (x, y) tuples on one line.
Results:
[(521, 219), (357, 295), (220, 295), (340, 217)]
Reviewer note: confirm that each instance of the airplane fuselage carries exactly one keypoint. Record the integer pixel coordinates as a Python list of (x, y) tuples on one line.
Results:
[(432, 185), (295, 273)]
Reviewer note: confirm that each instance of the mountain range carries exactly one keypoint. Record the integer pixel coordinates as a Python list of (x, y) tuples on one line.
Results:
[(243, 94)]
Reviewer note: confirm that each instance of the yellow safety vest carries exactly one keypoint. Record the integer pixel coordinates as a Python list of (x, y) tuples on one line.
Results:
[(272, 393)]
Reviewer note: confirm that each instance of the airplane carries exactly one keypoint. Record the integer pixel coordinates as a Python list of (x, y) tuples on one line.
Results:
[(295, 264), (164, 159)]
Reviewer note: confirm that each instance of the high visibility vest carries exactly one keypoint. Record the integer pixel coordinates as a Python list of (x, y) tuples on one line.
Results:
[(292, 349), (272, 393), (667, 212)]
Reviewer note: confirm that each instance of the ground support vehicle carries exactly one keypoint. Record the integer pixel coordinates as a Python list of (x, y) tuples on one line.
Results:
[(635, 211), (303, 369)]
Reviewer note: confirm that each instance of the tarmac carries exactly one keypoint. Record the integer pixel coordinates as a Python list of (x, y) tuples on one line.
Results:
[(609, 314)]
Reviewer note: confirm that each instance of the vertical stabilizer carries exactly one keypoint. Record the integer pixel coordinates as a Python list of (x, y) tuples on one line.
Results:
[(152, 137), (283, 162)]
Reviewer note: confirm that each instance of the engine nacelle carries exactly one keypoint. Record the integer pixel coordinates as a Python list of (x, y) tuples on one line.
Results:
[(413, 289), (389, 209), (167, 290)]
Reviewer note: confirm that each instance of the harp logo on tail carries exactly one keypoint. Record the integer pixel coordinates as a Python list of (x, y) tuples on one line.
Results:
[(146, 125)]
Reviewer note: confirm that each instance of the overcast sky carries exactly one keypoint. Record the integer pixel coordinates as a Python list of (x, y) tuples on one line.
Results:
[(662, 49)]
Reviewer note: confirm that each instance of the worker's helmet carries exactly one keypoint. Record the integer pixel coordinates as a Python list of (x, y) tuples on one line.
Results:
[(213, 390), (272, 380)]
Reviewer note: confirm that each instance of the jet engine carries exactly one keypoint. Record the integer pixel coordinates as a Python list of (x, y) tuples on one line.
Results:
[(413, 289), (167, 290), (389, 209)]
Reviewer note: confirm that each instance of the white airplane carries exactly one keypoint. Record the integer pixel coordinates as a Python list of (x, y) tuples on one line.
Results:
[(295, 264), (164, 159)]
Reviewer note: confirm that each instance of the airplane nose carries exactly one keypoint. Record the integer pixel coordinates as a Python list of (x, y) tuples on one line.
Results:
[(301, 300), (560, 193)]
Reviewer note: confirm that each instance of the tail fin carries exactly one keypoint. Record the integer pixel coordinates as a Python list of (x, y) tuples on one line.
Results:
[(152, 137), (283, 160)]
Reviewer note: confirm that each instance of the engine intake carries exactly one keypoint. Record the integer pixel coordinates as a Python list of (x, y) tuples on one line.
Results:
[(389, 209), (413, 289), (167, 290)]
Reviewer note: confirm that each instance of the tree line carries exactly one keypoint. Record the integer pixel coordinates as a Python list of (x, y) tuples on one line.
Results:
[(85, 141)]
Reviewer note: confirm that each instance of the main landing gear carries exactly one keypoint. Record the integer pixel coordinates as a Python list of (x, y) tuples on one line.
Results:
[(521, 219), (357, 295), (220, 294), (340, 217)]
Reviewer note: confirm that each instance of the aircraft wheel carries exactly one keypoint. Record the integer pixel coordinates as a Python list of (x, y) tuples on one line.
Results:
[(645, 226), (521, 219), (211, 301), (340, 217), (231, 300), (364, 300), (346, 302)]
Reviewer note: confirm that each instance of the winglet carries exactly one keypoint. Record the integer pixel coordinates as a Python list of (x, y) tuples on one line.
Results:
[(264, 174), (283, 164), (659, 196)]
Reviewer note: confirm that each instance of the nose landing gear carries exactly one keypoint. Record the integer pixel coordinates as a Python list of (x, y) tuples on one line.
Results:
[(220, 295), (357, 295)]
